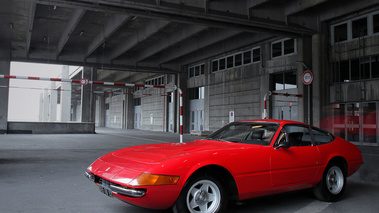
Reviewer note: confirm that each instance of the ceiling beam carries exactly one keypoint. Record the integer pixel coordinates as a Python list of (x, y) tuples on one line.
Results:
[(74, 20), (112, 25), (229, 8), (297, 6), (341, 8), (254, 3), (108, 75), (32, 13), (130, 76), (198, 16), (170, 40), (241, 41), (212, 20), (140, 35), (195, 44)]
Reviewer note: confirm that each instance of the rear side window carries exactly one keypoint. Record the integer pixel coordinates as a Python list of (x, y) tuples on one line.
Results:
[(322, 137)]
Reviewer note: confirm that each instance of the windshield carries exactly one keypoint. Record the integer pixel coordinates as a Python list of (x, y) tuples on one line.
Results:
[(260, 133)]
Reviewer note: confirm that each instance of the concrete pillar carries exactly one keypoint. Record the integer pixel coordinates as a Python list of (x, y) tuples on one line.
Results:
[(265, 79), (46, 104), (129, 111), (40, 108), (87, 102), (53, 102), (65, 96), (100, 109), (4, 94), (206, 96), (321, 76), (316, 70), (304, 59), (74, 113)]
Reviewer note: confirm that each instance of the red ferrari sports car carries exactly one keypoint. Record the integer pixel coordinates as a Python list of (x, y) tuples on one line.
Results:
[(244, 159)]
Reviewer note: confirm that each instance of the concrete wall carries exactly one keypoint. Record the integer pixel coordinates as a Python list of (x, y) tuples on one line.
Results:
[(100, 110), (354, 91), (242, 89), (354, 49), (366, 90), (236, 89), (50, 128), (115, 110), (154, 106), (153, 110)]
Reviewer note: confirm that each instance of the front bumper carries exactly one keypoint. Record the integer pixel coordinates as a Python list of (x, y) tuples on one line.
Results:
[(116, 188), (149, 197)]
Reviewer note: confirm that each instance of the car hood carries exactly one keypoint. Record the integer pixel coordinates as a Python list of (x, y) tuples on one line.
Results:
[(156, 153), (126, 164)]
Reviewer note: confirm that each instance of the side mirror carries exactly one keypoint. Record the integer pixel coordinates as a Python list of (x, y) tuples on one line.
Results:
[(283, 144)]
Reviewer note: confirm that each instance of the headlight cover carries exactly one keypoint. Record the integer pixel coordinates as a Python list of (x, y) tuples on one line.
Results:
[(146, 179)]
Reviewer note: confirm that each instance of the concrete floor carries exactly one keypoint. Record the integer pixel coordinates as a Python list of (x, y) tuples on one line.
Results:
[(44, 173)]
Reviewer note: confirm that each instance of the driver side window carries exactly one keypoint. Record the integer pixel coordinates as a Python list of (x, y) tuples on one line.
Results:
[(295, 135)]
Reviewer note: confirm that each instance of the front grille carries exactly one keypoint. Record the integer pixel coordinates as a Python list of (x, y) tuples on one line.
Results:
[(119, 189), (105, 183)]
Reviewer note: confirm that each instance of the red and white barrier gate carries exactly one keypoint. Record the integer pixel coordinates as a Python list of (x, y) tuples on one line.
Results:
[(266, 97), (85, 81)]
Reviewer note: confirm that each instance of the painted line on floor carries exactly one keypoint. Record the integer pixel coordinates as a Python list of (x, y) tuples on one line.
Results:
[(314, 207)]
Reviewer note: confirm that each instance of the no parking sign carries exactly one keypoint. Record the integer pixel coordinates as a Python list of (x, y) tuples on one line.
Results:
[(307, 77), (231, 116)]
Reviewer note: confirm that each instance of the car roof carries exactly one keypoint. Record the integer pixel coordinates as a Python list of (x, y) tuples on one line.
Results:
[(273, 121)]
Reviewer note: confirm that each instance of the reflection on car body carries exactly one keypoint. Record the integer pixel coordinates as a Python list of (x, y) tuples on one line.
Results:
[(242, 160), (247, 132)]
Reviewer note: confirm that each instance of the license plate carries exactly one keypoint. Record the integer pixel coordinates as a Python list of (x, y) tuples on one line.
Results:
[(106, 191)]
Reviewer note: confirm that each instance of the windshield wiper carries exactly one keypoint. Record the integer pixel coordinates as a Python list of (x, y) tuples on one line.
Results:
[(219, 139)]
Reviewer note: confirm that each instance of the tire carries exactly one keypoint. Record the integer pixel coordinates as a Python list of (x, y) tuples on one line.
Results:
[(332, 185), (202, 194)]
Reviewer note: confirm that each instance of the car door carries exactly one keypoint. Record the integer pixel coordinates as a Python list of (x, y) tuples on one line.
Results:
[(296, 163)]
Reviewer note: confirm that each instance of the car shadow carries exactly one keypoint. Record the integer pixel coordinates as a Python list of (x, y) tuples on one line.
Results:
[(273, 203), (285, 202), (298, 201)]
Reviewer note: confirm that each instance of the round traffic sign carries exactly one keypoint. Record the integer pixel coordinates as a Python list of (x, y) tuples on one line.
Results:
[(83, 81), (307, 77)]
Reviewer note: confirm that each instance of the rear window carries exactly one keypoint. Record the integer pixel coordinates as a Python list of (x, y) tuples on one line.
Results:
[(322, 137)]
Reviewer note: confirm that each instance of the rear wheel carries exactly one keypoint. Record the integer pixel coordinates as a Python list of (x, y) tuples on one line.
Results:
[(202, 194), (332, 185)]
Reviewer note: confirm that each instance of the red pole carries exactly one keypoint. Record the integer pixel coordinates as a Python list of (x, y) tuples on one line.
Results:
[(181, 114)]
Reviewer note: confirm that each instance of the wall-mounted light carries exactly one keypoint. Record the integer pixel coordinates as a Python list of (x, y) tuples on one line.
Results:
[(81, 33), (55, 7)]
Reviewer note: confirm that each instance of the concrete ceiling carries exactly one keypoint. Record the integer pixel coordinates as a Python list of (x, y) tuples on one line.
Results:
[(153, 35)]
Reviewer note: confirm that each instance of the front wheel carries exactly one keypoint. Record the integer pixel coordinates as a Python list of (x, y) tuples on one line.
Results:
[(332, 185), (204, 194)]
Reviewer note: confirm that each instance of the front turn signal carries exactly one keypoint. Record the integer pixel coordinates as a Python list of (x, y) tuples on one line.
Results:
[(146, 179)]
